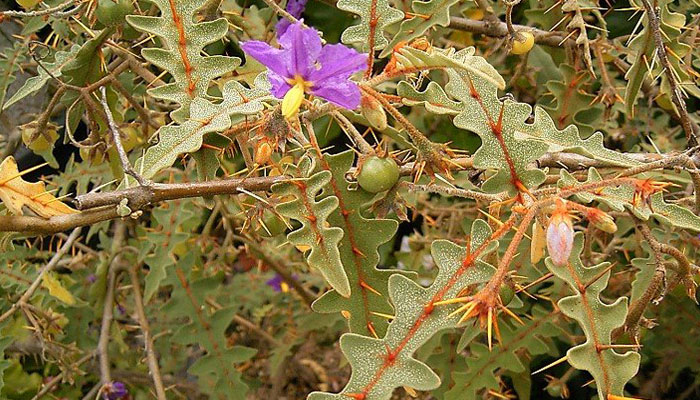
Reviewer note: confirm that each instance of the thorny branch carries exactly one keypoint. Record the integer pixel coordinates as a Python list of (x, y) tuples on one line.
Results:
[(676, 92), (47, 268)]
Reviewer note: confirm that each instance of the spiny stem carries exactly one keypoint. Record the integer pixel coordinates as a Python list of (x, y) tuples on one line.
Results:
[(654, 24)]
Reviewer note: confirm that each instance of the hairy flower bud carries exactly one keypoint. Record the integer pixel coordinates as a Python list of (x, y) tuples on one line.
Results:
[(560, 235), (602, 220), (374, 112)]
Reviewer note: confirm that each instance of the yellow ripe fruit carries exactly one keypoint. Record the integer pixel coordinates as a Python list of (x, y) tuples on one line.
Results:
[(522, 47)]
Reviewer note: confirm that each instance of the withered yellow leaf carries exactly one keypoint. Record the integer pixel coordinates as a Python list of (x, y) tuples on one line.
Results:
[(16, 193), (53, 285)]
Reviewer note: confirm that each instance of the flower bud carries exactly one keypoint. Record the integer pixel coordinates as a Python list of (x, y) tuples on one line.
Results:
[(263, 151), (560, 238), (374, 112), (602, 220)]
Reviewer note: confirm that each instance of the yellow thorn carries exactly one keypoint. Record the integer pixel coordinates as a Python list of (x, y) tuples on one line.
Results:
[(370, 288), (557, 362), (488, 327), (515, 317), (26, 171), (451, 301), (387, 316), (467, 313)]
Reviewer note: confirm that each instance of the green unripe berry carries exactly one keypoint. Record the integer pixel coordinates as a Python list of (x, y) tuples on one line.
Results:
[(507, 293), (378, 174), (113, 13)]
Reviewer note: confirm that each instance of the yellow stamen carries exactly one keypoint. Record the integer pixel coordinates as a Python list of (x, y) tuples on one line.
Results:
[(292, 100)]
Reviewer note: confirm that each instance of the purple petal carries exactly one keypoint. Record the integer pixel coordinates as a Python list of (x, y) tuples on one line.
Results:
[(294, 8), (275, 283), (280, 86), (338, 61), (339, 91), (304, 47), (275, 59)]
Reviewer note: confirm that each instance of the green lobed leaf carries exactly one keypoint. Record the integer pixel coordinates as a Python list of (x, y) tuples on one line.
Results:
[(375, 375), (375, 16), (610, 369), (216, 371), (428, 14), (181, 55), (365, 235), (322, 241), (206, 117), (510, 144), (622, 198), (33, 84), (10, 61), (505, 356)]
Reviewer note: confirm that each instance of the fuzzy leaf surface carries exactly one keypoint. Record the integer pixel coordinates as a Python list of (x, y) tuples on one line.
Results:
[(364, 235), (611, 370), (181, 55), (313, 214), (374, 372), (375, 16)]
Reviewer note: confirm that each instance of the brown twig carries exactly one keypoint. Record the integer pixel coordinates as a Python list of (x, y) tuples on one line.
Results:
[(500, 30), (108, 306), (676, 93), (147, 338), (636, 310), (116, 138)]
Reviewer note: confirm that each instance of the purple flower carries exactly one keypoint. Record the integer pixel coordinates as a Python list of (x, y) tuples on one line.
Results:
[(114, 391), (278, 284), (294, 8), (303, 65)]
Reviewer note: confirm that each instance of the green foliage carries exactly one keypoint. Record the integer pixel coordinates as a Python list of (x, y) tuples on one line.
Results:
[(55, 69), (381, 365), (358, 252), (506, 356), (301, 274), (375, 16), (206, 117), (321, 241), (610, 369), (428, 14), (622, 197), (183, 42), (10, 61)]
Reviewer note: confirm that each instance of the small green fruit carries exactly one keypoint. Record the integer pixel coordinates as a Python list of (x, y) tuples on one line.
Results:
[(113, 13), (507, 293), (378, 174)]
